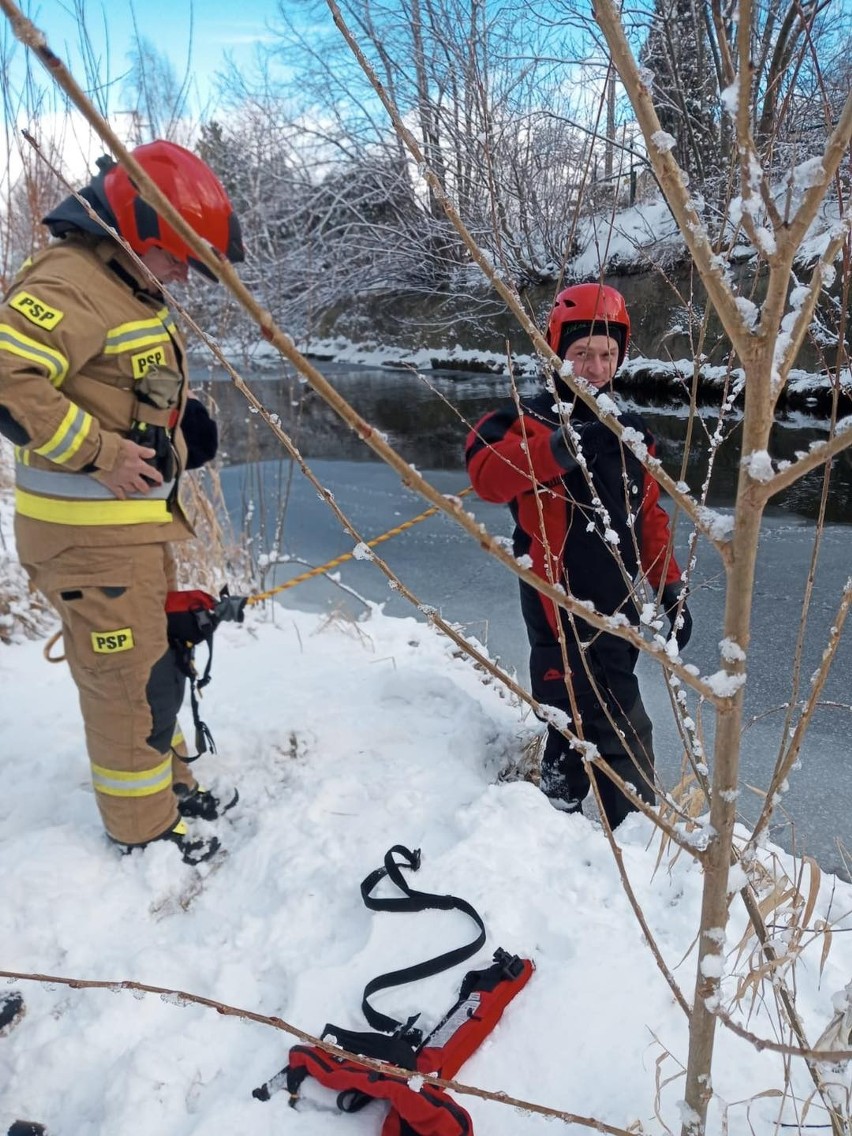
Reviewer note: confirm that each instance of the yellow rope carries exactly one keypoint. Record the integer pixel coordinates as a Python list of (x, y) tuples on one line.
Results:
[(300, 579), (329, 564)]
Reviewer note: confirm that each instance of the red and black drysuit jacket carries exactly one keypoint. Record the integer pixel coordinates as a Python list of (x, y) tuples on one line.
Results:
[(590, 531)]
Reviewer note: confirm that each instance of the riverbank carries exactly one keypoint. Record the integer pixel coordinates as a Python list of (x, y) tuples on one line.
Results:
[(656, 381)]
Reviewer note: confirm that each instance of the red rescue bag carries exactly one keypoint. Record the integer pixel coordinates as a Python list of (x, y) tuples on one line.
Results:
[(418, 1108), (427, 1111)]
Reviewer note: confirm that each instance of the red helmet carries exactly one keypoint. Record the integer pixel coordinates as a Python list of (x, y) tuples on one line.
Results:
[(590, 304), (191, 187)]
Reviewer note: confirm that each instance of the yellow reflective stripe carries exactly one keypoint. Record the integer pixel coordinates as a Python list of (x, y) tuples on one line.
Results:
[(119, 783), (16, 343), (168, 319), (65, 512), (66, 441), (135, 334), (21, 455)]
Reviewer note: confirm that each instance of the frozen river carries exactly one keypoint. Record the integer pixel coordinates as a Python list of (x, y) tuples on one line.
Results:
[(446, 569)]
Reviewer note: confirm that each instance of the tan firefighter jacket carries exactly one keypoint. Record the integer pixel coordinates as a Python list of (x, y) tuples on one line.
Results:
[(80, 339)]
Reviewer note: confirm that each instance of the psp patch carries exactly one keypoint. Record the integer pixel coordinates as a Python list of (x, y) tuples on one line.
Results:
[(151, 360), (36, 310), (111, 642)]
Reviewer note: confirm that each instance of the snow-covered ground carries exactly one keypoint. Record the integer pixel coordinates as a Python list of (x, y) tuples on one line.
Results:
[(346, 738)]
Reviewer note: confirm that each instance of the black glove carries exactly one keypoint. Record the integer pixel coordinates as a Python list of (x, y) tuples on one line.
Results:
[(595, 439), (157, 439), (670, 600), (200, 434), (230, 608)]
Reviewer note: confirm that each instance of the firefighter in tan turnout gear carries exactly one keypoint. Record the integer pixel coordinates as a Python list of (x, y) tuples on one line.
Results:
[(93, 394)]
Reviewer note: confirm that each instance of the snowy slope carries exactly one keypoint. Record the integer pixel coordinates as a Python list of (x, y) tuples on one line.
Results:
[(344, 739)]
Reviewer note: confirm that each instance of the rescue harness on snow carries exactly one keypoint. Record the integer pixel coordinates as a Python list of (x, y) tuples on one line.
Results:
[(417, 1108), (192, 616)]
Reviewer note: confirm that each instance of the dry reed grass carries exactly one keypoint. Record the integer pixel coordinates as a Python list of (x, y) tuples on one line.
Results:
[(214, 558), (23, 612)]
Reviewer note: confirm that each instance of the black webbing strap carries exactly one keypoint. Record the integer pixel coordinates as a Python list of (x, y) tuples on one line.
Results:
[(412, 901), (204, 742)]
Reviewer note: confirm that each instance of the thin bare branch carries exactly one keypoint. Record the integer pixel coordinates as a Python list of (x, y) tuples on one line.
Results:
[(782, 769), (183, 997)]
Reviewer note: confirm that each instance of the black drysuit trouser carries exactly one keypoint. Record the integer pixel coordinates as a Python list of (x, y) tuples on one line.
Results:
[(602, 680)]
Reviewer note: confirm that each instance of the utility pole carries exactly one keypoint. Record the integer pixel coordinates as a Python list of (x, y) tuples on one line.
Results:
[(610, 122)]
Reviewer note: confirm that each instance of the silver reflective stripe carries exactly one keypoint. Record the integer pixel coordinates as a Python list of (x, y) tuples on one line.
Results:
[(78, 486), (118, 783), (73, 433)]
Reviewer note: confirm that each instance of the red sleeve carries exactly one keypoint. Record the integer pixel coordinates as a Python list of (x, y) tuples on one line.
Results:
[(506, 457), (656, 547)]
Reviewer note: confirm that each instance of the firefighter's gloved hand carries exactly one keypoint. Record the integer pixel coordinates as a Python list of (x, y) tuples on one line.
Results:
[(231, 608), (680, 623)]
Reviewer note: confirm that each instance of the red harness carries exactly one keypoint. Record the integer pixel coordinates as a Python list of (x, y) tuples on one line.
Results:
[(418, 1108)]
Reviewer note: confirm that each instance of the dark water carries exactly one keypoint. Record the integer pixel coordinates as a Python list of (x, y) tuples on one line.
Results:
[(427, 420)]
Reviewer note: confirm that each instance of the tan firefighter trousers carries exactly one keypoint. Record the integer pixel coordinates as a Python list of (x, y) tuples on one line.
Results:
[(112, 606)]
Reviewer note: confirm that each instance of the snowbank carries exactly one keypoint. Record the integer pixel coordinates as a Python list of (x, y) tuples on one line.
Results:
[(346, 738)]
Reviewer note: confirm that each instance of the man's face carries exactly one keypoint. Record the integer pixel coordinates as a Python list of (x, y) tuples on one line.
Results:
[(167, 268), (594, 359)]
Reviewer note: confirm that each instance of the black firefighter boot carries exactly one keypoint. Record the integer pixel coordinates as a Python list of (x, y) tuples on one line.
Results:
[(563, 778), (201, 804), (194, 802), (193, 849)]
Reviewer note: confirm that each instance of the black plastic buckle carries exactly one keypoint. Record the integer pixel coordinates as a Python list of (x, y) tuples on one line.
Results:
[(511, 965)]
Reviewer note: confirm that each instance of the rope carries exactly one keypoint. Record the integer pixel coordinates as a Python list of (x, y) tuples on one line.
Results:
[(329, 564), (48, 647), (258, 597)]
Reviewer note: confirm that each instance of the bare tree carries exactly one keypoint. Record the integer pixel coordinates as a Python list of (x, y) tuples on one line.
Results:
[(688, 52), (493, 118), (678, 53)]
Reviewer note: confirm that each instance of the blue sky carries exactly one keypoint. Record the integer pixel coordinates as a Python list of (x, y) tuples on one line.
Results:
[(194, 34), (207, 28)]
